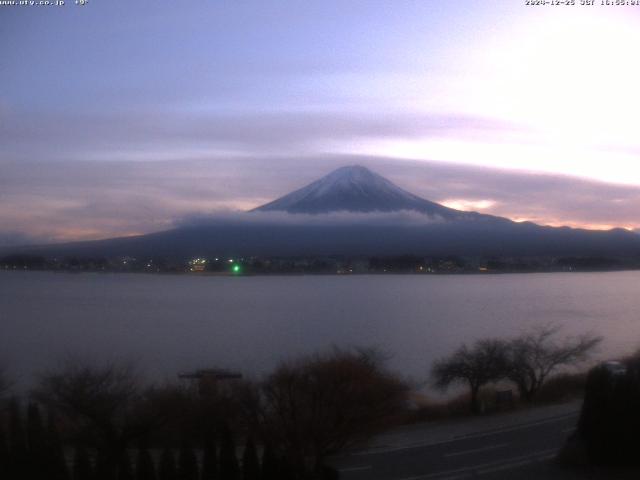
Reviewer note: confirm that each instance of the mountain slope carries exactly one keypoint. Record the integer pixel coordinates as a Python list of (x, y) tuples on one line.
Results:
[(356, 189), (462, 238)]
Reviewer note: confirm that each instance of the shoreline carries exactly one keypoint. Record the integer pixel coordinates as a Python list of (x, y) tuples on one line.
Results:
[(323, 274)]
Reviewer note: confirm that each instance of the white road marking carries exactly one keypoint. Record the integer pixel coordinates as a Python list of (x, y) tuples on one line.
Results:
[(376, 451), (517, 427), (513, 465), (476, 450)]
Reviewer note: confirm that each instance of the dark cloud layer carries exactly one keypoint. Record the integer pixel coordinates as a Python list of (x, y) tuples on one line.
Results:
[(67, 200), (155, 134)]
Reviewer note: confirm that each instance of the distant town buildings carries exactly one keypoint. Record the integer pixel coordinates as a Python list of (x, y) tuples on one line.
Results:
[(197, 265), (332, 265)]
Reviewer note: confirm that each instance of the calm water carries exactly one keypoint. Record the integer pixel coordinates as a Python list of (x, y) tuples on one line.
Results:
[(170, 323)]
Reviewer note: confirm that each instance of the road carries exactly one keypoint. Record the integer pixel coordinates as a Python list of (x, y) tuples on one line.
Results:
[(495, 453)]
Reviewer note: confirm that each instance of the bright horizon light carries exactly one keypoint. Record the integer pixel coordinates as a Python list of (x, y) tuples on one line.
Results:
[(567, 83)]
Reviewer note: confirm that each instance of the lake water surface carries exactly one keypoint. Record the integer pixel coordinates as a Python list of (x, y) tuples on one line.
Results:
[(170, 323)]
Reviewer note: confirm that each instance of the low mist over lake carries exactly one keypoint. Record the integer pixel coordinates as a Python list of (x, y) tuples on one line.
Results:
[(170, 323)]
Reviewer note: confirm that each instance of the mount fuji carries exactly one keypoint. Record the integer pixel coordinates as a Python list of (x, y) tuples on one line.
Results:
[(311, 222), (356, 189)]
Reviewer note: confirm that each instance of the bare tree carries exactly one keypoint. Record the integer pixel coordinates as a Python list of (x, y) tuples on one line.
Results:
[(102, 403), (326, 403), (475, 366), (537, 354)]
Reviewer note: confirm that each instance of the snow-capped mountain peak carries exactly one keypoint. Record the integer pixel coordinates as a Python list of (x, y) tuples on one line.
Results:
[(356, 189)]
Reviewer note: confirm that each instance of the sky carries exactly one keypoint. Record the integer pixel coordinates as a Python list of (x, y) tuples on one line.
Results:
[(121, 118)]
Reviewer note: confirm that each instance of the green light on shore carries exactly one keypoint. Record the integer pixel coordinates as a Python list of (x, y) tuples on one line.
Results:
[(236, 269)]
